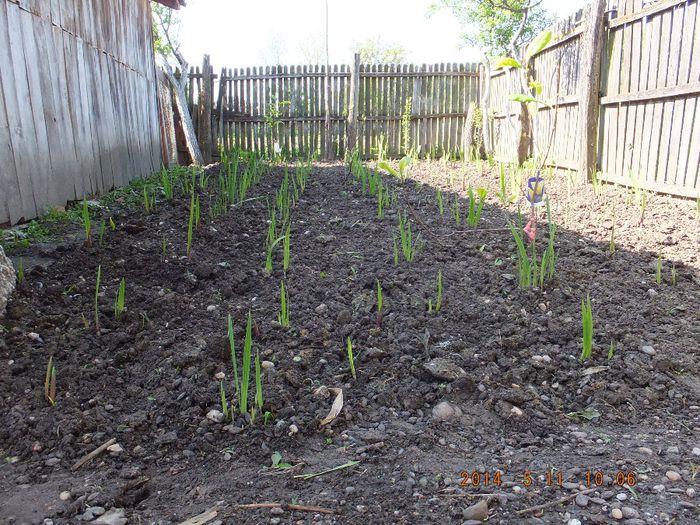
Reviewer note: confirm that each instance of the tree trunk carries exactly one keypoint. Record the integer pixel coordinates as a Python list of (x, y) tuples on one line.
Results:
[(525, 139), (485, 99), (185, 118)]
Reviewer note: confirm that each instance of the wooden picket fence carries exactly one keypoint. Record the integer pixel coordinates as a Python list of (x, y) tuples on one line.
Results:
[(623, 87), (393, 107)]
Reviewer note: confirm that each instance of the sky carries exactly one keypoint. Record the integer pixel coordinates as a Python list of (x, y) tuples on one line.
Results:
[(239, 33)]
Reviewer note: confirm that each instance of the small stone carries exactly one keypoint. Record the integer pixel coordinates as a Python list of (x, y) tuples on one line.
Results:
[(52, 462), (629, 512), (112, 517), (37, 447), (215, 415), (361, 508), (443, 369), (690, 492), (275, 521), (139, 450), (96, 511), (114, 450), (616, 514), (267, 365), (293, 429), (673, 475), (696, 451), (444, 411), (659, 488), (621, 496), (645, 450), (672, 450), (582, 500), (648, 350), (211, 308), (516, 412), (322, 309), (579, 435), (479, 511), (349, 490), (64, 496), (277, 510), (574, 521), (652, 293)]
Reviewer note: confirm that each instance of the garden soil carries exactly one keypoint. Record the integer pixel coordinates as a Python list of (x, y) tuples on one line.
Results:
[(480, 411)]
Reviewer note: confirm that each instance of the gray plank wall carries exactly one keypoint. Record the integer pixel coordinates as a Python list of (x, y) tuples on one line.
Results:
[(649, 122), (78, 102)]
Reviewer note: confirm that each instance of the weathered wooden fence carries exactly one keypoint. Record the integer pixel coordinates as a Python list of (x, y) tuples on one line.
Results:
[(78, 112), (256, 108), (638, 84)]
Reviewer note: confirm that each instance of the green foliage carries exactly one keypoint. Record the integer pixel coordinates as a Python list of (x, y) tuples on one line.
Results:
[(245, 376), (380, 298), (190, 226), (659, 266), (407, 245), (441, 206), (376, 51), (351, 359), (525, 265), (506, 62), (402, 172), (286, 248), (674, 275), (50, 383), (167, 184), (456, 213), (283, 316), (438, 302), (406, 127), (491, 25), (611, 350), (587, 326), (119, 300), (474, 212), (258, 384), (234, 357)]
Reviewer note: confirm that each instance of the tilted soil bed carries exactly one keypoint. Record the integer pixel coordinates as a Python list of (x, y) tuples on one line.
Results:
[(492, 383)]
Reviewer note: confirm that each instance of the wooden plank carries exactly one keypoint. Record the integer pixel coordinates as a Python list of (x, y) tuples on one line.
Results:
[(589, 81), (659, 7), (655, 94), (670, 189)]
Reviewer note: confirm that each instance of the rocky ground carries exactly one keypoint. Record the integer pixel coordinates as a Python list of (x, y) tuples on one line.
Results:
[(479, 411)]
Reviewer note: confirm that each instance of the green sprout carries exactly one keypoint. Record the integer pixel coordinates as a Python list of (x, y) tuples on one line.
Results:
[(119, 300), (50, 383), (234, 358), (407, 245), (502, 194), (224, 403), (147, 205), (674, 275), (351, 360), (283, 316), (456, 214), (525, 269), (20, 271), (245, 377), (438, 302), (474, 213), (659, 265), (587, 325), (102, 231), (111, 224), (258, 384), (190, 225), (611, 350), (440, 204), (97, 298), (86, 223), (285, 247), (167, 183), (402, 172)]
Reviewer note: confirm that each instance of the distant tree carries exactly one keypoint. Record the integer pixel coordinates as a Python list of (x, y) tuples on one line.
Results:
[(497, 26), (374, 51), (275, 52), (166, 44), (313, 49)]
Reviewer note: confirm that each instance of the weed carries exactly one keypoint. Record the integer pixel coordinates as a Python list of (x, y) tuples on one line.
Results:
[(86, 223), (97, 298), (440, 203), (283, 316), (525, 267), (245, 376), (438, 302), (351, 359), (474, 213), (119, 300), (278, 463), (611, 350), (111, 224), (549, 258), (147, 204), (659, 265), (50, 383), (402, 172), (587, 328)]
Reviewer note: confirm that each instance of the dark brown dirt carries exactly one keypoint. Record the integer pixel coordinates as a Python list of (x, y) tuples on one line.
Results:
[(505, 359)]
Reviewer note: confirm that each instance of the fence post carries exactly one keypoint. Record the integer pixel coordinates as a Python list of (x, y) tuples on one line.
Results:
[(205, 112), (354, 102), (589, 91), (484, 95)]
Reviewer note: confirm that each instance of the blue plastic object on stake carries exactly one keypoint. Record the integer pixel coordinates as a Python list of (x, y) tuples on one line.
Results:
[(535, 191)]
